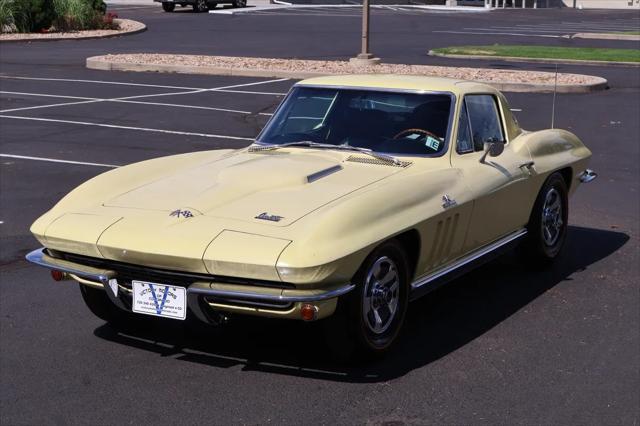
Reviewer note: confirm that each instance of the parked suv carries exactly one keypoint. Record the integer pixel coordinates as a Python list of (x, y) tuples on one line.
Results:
[(198, 5)]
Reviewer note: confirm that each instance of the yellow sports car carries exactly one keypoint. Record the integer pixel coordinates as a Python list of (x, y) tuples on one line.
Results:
[(359, 195)]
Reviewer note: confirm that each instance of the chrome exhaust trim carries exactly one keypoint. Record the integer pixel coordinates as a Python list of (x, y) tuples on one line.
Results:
[(588, 176)]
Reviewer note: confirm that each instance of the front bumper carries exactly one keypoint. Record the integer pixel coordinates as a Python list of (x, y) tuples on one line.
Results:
[(205, 294)]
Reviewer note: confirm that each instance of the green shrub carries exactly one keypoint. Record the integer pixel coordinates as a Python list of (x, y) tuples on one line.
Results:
[(63, 15), (32, 15), (7, 23), (98, 5), (76, 15)]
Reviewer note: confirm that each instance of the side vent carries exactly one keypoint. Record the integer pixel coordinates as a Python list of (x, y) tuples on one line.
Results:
[(443, 240), (377, 161)]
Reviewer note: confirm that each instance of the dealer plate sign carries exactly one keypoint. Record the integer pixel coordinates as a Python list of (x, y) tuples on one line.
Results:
[(159, 300)]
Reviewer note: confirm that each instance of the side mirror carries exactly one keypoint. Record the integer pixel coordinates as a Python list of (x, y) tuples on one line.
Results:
[(492, 149)]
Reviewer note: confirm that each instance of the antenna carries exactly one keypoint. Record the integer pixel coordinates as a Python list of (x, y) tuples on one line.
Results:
[(553, 106)]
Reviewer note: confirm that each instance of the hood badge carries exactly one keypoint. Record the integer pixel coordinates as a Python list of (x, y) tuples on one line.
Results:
[(184, 213), (269, 217), (448, 201)]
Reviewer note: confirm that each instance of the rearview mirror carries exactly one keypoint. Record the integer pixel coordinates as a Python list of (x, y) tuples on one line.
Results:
[(492, 149)]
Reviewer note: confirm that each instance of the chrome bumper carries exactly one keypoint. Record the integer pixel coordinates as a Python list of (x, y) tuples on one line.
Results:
[(40, 258), (587, 176), (101, 277)]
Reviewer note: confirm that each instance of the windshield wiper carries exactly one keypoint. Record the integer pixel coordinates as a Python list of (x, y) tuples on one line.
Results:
[(344, 146), (284, 145)]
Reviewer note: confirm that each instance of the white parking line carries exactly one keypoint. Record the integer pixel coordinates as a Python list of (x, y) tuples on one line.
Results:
[(119, 83), (114, 126), (128, 98), (55, 160), (306, 14), (45, 106), (44, 95), (501, 33)]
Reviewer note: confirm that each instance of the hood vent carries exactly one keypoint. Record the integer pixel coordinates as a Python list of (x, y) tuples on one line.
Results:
[(378, 161), (323, 173)]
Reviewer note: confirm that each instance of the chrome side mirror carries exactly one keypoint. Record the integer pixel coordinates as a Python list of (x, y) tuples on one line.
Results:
[(492, 149)]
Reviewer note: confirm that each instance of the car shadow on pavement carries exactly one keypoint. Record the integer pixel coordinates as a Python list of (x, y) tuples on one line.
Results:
[(436, 325)]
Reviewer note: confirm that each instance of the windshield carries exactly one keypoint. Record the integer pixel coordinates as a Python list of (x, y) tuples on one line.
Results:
[(394, 123)]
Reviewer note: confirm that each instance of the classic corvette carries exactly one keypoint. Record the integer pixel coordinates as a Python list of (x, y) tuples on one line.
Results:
[(361, 194)]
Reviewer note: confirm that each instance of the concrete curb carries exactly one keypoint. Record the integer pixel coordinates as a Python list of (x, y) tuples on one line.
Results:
[(285, 5), (103, 64), (540, 60), (605, 36), (140, 27)]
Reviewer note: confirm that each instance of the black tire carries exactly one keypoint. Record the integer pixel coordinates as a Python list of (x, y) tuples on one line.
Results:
[(168, 7), (353, 330), (200, 6), (99, 304), (547, 229), (212, 5), (239, 3)]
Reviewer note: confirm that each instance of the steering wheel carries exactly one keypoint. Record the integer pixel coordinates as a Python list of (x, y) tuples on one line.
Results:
[(409, 131)]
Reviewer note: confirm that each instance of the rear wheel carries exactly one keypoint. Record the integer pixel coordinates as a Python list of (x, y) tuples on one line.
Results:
[(548, 223), (200, 6), (369, 319), (239, 3), (168, 7), (99, 304)]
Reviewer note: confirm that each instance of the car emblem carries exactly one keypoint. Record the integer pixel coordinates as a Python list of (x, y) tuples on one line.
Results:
[(448, 201), (270, 217), (183, 213)]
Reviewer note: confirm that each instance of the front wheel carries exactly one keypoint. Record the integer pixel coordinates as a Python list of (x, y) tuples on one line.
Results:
[(548, 223), (168, 7), (369, 318), (200, 6)]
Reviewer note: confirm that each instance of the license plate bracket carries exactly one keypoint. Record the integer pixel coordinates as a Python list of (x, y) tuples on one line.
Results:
[(160, 300)]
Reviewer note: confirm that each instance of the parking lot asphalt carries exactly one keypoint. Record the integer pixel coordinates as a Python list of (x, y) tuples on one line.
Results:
[(505, 344)]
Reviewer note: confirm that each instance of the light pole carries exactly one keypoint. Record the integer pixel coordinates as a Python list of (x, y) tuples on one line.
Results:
[(365, 57)]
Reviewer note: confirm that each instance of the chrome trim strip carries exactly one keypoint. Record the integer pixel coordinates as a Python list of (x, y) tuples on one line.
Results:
[(373, 89), (272, 297), (40, 258), (323, 173), (468, 259), (587, 176)]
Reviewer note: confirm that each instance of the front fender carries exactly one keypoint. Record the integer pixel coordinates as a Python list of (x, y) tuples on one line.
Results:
[(341, 234)]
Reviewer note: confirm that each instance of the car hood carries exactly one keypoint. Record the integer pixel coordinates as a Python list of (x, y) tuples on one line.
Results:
[(272, 187)]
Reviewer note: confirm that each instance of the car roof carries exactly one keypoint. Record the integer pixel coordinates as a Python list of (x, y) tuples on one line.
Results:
[(400, 82)]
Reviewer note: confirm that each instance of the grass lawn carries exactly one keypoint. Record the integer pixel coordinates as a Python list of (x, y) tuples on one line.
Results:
[(628, 32), (546, 52)]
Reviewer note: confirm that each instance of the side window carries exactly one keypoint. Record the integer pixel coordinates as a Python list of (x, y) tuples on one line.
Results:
[(464, 142), (484, 119)]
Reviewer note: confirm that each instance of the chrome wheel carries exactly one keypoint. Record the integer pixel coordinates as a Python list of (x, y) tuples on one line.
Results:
[(200, 6), (381, 295), (552, 217)]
